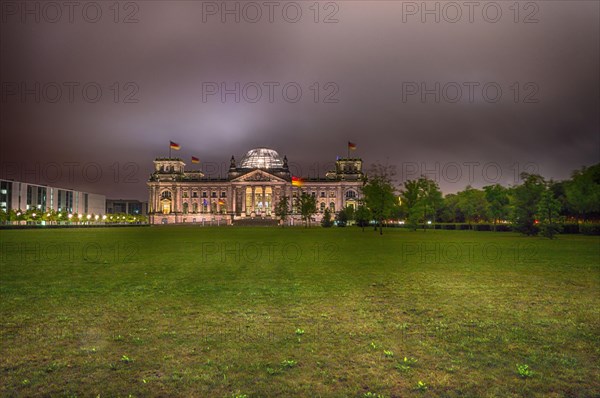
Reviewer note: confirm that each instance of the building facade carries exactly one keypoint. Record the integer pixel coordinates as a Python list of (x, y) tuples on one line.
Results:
[(252, 189), (127, 206), (23, 196)]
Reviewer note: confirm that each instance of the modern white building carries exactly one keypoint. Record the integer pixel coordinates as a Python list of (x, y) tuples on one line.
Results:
[(127, 206), (23, 196)]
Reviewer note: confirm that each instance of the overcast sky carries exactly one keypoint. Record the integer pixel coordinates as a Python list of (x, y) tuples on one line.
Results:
[(483, 93)]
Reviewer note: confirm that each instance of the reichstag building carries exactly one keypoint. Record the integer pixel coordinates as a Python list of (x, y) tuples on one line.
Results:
[(251, 190)]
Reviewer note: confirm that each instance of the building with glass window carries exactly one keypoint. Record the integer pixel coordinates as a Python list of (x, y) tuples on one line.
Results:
[(126, 206), (23, 196), (252, 189)]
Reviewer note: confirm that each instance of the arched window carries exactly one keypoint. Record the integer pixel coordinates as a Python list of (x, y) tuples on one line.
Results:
[(350, 194), (195, 207), (322, 207), (166, 195), (185, 208), (332, 207)]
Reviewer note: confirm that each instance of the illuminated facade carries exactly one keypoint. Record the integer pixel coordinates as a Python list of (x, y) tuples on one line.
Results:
[(252, 189), (24, 196)]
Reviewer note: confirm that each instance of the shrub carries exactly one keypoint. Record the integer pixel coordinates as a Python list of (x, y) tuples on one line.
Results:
[(550, 229), (326, 221), (570, 228), (482, 227), (590, 229)]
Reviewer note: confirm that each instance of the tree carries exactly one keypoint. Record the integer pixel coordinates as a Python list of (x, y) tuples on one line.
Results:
[(342, 218), (558, 189), (547, 214), (498, 200), (282, 209), (326, 221), (379, 194), (430, 197), (524, 200), (410, 196), (472, 204), (583, 192), (449, 211), (349, 210), (308, 207), (362, 215), (421, 199)]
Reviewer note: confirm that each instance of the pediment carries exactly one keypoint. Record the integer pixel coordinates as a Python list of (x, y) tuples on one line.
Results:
[(258, 176)]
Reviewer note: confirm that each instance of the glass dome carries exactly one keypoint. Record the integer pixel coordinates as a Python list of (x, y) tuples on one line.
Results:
[(261, 158)]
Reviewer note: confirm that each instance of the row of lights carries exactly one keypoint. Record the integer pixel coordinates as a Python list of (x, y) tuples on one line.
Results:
[(89, 216)]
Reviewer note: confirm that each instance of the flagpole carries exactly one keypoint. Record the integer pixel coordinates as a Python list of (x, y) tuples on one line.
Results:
[(348, 157)]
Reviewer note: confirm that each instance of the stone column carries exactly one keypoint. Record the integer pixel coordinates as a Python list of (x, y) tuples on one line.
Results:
[(244, 199), (175, 200), (233, 199), (157, 207), (151, 200)]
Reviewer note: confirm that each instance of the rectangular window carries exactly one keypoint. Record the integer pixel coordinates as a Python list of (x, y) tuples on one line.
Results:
[(5, 195), (135, 208), (69, 201), (29, 196), (41, 198)]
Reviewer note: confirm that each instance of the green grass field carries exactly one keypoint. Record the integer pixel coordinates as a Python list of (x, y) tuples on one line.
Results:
[(265, 312)]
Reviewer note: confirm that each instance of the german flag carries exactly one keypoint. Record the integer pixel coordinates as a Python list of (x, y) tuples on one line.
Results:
[(351, 146), (174, 145), (195, 159), (297, 181)]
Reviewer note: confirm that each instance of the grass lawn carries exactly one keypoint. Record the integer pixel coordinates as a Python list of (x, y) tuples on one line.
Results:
[(222, 312)]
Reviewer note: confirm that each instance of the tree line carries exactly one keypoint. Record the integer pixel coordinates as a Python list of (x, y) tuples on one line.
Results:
[(534, 206)]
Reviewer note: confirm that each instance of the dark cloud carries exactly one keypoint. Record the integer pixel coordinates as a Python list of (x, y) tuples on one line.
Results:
[(369, 58)]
